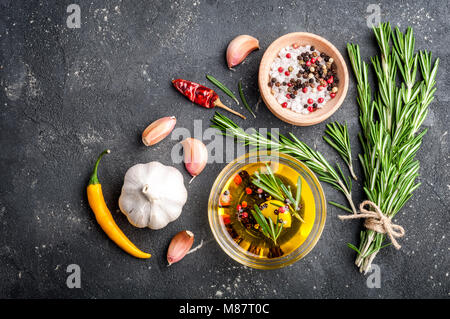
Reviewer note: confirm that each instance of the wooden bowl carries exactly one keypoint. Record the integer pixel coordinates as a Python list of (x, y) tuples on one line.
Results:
[(322, 45)]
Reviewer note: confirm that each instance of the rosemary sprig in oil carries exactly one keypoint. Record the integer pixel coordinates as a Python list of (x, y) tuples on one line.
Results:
[(274, 186), (268, 228)]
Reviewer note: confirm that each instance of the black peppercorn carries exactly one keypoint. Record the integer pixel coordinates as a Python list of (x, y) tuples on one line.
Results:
[(305, 106), (312, 48), (315, 105)]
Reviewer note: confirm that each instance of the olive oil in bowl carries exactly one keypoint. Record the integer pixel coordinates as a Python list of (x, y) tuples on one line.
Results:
[(238, 197), (243, 197)]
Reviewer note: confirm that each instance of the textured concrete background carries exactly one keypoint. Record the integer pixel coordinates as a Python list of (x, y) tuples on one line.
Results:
[(66, 94)]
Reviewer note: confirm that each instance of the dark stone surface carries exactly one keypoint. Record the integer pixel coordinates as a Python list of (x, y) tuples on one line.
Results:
[(66, 94)]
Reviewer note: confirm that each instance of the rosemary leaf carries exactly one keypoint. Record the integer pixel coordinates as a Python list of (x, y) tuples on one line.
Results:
[(244, 101), (339, 139), (221, 86), (299, 191)]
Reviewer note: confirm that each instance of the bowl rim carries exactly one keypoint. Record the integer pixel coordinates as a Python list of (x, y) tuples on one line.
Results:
[(287, 115), (310, 241)]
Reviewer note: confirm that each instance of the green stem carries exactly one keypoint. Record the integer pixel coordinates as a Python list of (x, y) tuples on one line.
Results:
[(94, 178)]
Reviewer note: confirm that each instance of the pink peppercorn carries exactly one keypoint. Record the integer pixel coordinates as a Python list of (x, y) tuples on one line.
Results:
[(320, 100), (310, 109), (333, 95), (284, 105), (308, 63), (330, 80), (289, 84), (304, 90), (288, 55), (244, 215), (287, 73), (310, 101), (295, 46), (313, 60), (288, 96), (319, 88), (280, 69)]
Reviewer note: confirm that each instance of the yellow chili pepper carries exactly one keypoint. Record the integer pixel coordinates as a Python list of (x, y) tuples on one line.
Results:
[(104, 217)]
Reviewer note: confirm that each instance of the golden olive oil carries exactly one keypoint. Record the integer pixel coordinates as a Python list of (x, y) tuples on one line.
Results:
[(250, 240)]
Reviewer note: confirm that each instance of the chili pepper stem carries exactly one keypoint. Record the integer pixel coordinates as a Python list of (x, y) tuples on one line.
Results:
[(221, 105), (94, 177)]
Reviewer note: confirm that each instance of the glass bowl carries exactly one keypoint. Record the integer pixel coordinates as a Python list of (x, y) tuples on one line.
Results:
[(314, 225)]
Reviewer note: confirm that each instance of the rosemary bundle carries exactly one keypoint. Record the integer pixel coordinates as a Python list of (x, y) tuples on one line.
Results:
[(391, 122)]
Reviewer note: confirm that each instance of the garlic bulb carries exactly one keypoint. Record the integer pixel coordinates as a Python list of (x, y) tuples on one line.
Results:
[(239, 48), (152, 195), (195, 156)]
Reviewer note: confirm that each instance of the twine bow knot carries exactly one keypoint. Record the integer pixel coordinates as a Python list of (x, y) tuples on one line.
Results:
[(378, 222)]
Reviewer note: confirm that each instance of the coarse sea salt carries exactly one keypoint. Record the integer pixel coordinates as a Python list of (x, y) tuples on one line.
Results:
[(298, 103)]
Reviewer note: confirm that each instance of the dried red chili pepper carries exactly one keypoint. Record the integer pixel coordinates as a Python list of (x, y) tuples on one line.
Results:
[(201, 95)]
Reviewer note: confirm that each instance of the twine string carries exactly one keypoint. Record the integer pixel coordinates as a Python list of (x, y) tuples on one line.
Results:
[(375, 220)]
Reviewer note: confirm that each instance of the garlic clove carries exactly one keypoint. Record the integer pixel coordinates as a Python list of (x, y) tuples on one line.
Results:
[(195, 156), (158, 130), (239, 48), (179, 246)]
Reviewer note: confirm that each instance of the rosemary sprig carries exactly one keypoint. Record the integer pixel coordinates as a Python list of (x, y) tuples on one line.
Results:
[(391, 122), (268, 228), (221, 86), (244, 101), (274, 186), (294, 147), (340, 141)]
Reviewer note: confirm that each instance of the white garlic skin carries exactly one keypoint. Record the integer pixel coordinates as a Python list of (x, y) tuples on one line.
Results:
[(153, 195)]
